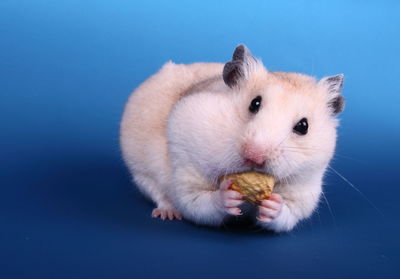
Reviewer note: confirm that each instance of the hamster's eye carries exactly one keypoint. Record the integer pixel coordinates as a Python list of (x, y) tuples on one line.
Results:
[(255, 104), (301, 127)]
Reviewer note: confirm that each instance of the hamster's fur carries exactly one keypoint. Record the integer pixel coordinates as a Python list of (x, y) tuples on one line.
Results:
[(189, 124)]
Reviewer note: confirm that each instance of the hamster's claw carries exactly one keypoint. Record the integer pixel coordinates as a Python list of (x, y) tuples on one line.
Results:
[(230, 199), (271, 208), (166, 213)]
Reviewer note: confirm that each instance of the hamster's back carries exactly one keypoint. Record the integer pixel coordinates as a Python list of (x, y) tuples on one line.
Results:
[(142, 134)]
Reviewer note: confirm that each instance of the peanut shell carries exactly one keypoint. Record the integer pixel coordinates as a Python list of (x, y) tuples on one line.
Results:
[(254, 186)]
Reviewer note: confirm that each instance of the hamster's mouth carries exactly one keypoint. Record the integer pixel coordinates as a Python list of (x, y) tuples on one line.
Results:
[(241, 166), (245, 168), (254, 166)]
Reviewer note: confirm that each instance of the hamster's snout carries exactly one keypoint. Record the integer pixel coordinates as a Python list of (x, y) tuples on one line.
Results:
[(259, 155), (253, 153)]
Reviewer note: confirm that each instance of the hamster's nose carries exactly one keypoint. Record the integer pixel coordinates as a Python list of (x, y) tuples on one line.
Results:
[(254, 154)]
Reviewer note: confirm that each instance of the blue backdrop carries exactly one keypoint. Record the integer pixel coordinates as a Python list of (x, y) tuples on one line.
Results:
[(67, 209)]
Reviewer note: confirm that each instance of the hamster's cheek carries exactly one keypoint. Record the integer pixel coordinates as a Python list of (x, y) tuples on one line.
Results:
[(313, 150), (205, 128), (286, 165)]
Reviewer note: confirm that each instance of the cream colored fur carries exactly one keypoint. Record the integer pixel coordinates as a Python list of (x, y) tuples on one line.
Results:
[(178, 136)]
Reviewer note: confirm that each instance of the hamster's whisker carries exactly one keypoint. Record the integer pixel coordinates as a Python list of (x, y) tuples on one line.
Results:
[(233, 163), (336, 154), (302, 148), (349, 158), (329, 208), (289, 166), (295, 151), (285, 138), (299, 150), (317, 209), (357, 190)]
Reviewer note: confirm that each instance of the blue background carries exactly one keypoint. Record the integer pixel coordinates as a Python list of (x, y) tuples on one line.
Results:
[(67, 209)]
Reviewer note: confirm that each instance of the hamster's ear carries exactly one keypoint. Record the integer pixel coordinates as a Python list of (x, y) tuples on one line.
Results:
[(333, 85), (238, 70)]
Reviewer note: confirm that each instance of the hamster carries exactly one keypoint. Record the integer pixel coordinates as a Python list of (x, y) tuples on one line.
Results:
[(188, 125)]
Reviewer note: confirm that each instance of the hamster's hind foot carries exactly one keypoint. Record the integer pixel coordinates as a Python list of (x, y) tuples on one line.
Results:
[(166, 212)]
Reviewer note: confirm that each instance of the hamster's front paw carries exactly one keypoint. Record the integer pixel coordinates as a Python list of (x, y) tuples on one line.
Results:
[(230, 199), (270, 209)]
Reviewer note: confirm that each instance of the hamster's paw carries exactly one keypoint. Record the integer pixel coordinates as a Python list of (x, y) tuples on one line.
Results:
[(270, 209), (166, 212), (230, 199)]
